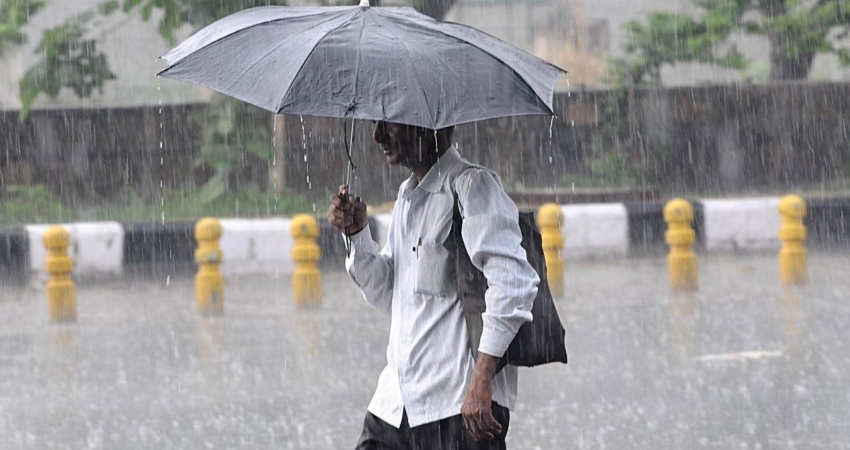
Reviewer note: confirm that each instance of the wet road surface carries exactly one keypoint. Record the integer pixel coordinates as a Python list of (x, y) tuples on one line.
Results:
[(743, 364)]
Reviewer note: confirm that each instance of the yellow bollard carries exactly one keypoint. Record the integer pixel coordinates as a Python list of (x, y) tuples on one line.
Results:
[(680, 236), (306, 280), (209, 283), (549, 220), (793, 258), (61, 292)]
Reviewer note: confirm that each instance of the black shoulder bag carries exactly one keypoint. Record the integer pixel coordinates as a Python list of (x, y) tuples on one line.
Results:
[(540, 341)]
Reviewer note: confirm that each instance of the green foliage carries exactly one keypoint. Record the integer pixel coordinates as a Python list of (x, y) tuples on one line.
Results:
[(31, 204), (229, 128), (796, 29), (624, 161), (69, 57), (610, 169), (248, 202), (14, 14), (613, 168), (69, 60), (197, 14), (36, 204)]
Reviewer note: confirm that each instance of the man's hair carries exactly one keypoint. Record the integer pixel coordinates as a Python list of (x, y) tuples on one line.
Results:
[(444, 135)]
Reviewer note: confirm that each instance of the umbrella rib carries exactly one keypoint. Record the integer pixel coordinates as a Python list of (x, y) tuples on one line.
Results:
[(357, 67), (307, 58), (414, 23), (260, 59), (231, 33), (551, 92), (416, 75)]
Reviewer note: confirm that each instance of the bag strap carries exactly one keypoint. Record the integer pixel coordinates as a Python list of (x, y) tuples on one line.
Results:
[(459, 216)]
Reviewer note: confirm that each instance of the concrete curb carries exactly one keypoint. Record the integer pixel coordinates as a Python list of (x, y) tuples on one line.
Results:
[(105, 250), (97, 249), (14, 256)]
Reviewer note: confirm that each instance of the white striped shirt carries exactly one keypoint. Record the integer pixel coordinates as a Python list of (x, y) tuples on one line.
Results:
[(429, 360)]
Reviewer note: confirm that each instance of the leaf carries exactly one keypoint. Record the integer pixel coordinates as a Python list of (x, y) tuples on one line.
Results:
[(130, 4), (214, 188), (146, 12), (29, 91), (108, 7)]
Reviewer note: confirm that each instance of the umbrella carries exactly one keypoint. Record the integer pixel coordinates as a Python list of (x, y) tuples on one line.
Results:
[(362, 62)]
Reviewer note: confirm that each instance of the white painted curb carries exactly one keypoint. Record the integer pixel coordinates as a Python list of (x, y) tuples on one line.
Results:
[(256, 246), (97, 249), (742, 224), (595, 231), (590, 231)]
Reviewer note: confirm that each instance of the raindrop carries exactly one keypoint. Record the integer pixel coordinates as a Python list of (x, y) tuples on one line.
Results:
[(161, 147), (276, 189), (304, 148), (551, 124)]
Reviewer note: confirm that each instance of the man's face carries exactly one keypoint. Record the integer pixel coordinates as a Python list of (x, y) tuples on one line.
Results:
[(404, 145)]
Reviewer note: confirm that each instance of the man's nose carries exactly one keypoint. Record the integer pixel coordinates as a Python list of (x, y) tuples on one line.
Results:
[(380, 134)]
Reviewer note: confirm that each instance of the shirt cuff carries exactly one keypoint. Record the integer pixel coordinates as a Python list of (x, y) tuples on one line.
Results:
[(360, 241), (495, 342), (364, 234)]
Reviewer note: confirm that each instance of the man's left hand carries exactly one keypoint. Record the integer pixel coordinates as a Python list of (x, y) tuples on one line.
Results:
[(477, 409)]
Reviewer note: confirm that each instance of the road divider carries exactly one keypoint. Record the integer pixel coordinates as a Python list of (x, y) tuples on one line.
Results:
[(741, 225), (97, 249), (109, 250)]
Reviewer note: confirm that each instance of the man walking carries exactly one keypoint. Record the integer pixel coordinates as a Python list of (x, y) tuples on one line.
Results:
[(433, 394)]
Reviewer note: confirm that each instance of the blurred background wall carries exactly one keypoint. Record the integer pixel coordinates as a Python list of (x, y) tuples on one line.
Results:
[(703, 129)]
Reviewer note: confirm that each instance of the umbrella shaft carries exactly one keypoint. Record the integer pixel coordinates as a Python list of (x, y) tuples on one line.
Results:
[(348, 149)]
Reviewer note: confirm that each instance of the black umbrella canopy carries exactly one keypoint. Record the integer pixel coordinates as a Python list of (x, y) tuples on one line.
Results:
[(364, 62)]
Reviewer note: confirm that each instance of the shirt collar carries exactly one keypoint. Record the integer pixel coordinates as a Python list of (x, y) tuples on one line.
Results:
[(436, 176)]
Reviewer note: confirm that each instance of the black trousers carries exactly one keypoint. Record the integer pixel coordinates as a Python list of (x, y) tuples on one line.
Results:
[(446, 434)]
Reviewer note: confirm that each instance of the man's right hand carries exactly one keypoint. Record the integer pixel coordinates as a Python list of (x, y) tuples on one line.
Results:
[(347, 213)]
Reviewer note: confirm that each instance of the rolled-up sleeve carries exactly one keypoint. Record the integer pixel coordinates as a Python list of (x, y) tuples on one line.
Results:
[(371, 269), (493, 240)]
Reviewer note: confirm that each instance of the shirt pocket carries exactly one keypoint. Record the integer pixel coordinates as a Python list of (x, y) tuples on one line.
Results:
[(435, 269)]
